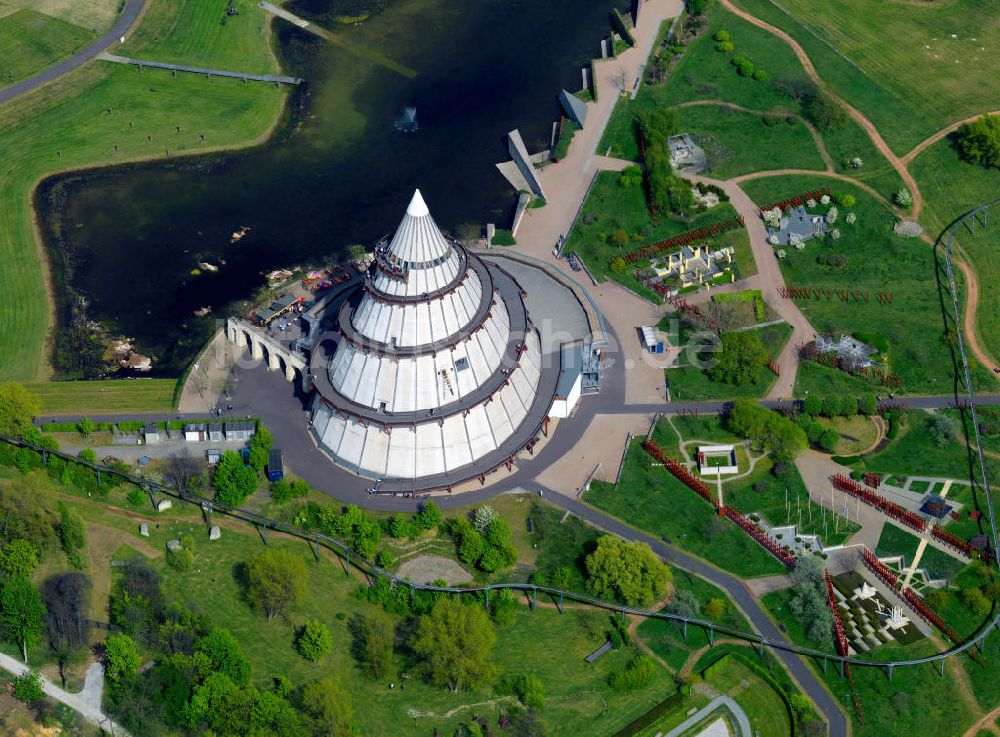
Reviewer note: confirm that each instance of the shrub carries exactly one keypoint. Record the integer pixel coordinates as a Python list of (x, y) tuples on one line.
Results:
[(975, 601), (85, 426), (759, 74), (314, 640), (857, 162), (620, 238), (385, 559), (721, 35), (618, 264), (832, 214), (639, 672), (824, 113), (28, 687), (281, 491), (135, 497), (903, 198), (726, 47), (845, 199), (631, 176), (829, 439), (979, 141), (850, 218), (88, 454), (743, 66)]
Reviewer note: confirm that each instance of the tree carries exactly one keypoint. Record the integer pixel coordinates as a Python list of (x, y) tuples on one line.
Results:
[(85, 426), (527, 723), (372, 645), (829, 440), (18, 407), (768, 429), (260, 445), (529, 690), (428, 517), (975, 601), (66, 597), (824, 113), (233, 482), (979, 141), (225, 655), (684, 604), (482, 517), (942, 430), (356, 252), (903, 198), (626, 571), (619, 237), (328, 708), (72, 534), (21, 612), (812, 405), (809, 601), (453, 644), (831, 406), (314, 640), (618, 264), (715, 609), (399, 526), (741, 360), (180, 468), (28, 687), (19, 557), (121, 657), (276, 581), (869, 405), (471, 545)]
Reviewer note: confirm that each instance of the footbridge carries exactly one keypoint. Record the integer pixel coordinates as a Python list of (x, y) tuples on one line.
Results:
[(141, 63)]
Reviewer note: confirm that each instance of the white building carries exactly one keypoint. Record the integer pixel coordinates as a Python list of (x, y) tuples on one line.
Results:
[(433, 369)]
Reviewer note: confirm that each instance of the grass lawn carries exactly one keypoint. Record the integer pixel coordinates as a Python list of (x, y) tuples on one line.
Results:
[(815, 379), (651, 499), (103, 397), (92, 15), (190, 32), (690, 382), (740, 143), (877, 260), (32, 41), (765, 708), (897, 541), (611, 206), (703, 427), (857, 433), (889, 69), (769, 501), (951, 187), (66, 125)]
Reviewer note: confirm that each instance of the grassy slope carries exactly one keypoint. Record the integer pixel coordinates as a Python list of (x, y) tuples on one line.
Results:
[(66, 125), (617, 207), (704, 73), (32, 41), (878, 260), (99, 397), (952, 188), (690, 382), (650, 498), (749, 144), (884, 68)]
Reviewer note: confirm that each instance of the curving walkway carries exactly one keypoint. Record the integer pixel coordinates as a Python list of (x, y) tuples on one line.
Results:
[(87, 703), (931, 140), (133, 9)]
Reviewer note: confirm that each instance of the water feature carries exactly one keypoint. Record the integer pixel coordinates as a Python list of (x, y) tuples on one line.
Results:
[(340, 171)]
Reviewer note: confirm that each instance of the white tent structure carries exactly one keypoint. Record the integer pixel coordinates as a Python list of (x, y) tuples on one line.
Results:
[(433, 368)]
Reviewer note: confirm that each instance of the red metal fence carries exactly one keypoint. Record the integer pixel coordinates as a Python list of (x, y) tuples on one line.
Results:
[(797, 200), (760, 536), (869, 497)]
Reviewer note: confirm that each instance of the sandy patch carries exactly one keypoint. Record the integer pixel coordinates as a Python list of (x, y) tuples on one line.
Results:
[(427, 568)]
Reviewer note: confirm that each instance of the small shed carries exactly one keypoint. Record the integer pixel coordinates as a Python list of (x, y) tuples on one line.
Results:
[(212, 455), (240, 431), (215, 432), (275, 466), (151, 432), (652, 339), (196, 432)]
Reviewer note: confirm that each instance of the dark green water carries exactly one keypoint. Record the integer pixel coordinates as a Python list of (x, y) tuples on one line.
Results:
[(339, 172)]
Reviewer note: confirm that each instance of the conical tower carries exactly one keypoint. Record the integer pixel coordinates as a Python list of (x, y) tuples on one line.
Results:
[(433, 366)]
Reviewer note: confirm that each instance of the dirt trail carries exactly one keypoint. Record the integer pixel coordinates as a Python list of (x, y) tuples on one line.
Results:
[(897, 163), (931, 140), (831, 174), (817, 138), (986, 722)]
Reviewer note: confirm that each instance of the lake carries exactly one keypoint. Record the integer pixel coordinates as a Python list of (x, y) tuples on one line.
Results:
[(339, 171)]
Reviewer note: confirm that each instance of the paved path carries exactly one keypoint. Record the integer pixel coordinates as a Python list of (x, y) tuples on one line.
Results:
[(742, 723), (279, 78), (133, 9), (87, 703)]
